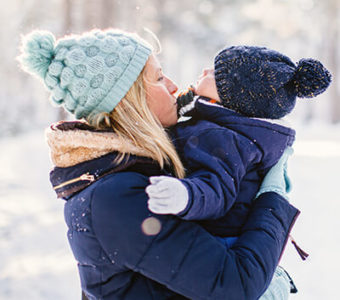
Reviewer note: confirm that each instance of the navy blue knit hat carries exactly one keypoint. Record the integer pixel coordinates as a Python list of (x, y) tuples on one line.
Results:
[(263, 83)]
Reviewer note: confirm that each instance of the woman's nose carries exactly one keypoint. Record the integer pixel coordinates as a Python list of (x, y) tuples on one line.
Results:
[(174, 89)]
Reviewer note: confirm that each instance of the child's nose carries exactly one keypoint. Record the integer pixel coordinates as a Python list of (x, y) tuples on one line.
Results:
[(205, 71)]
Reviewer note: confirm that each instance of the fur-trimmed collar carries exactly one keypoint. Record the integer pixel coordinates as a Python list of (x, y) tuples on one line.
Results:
[(74, 142)]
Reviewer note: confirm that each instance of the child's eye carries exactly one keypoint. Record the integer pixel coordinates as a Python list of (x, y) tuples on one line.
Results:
[(160, 78)]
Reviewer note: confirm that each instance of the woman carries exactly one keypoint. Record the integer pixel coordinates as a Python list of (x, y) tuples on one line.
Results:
[(113, 81)]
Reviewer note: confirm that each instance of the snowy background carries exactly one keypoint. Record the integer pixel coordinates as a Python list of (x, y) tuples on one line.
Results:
[(35, 260)]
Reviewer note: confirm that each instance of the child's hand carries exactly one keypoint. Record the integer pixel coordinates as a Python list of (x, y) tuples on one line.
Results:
[(167, 195), (185, 102)]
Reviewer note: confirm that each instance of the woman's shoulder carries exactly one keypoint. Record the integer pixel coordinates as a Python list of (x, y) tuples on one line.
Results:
[(116, 197), (120, 184)]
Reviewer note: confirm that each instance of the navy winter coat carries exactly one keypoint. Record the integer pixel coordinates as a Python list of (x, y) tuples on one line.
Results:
[(226, 156), (106, 207)]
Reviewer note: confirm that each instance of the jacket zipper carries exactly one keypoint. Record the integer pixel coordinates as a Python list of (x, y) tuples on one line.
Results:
[(83, 177), (288, 233)]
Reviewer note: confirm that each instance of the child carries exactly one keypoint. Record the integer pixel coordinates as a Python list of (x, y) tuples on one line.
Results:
[(225, 147)]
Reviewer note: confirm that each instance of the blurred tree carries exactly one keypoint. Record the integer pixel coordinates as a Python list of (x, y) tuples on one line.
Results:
[(332, 36), (66, 29), (90, 14), (67, 23), (98, 14), (107, 14)]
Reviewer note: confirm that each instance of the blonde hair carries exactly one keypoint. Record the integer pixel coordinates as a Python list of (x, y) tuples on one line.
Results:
[(132, 119)]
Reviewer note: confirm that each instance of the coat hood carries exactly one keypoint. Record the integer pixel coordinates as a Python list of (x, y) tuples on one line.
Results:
[(83, 154), (74, 142), (271, 136)]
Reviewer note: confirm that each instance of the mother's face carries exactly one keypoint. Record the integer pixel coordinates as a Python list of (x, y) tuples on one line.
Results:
[(160, 92)]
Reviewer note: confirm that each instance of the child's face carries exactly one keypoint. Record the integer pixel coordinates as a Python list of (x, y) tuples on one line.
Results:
[(206, 84)]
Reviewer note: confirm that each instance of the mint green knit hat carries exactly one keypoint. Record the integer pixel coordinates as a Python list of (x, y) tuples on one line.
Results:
[(88, 73)]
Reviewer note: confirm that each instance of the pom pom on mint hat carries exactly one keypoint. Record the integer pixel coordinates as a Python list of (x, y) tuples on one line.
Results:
[(263, 83), (88, 73)]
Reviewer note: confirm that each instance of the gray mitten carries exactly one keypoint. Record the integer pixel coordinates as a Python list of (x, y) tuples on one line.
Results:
[(167, 195)]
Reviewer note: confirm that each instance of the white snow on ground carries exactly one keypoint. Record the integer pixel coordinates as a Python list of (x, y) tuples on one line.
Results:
[(35, 259), (36, 262), (315, 173)]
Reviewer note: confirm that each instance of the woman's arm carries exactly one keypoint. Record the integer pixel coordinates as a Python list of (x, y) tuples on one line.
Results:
[(183, 256)]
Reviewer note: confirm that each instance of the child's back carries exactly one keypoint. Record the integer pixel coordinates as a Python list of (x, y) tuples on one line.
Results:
[(230, 154)]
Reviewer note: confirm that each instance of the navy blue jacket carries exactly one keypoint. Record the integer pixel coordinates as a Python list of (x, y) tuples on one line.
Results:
[(226, 156), (105, 210)]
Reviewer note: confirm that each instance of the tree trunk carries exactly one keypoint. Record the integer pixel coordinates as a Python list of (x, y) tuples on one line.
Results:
[(67, 10), (107, 14), (66, 29), (91, 14)]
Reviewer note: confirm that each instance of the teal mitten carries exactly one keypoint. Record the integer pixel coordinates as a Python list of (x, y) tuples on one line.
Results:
[(277, 179)]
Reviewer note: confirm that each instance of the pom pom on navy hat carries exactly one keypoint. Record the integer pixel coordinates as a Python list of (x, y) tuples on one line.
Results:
[(311, 78)]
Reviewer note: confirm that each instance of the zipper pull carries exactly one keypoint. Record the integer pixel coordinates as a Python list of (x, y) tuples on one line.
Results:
[(302, 253), (87, 176)]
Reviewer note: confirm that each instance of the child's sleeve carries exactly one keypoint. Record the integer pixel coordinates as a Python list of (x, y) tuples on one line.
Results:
[(217, 160)]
